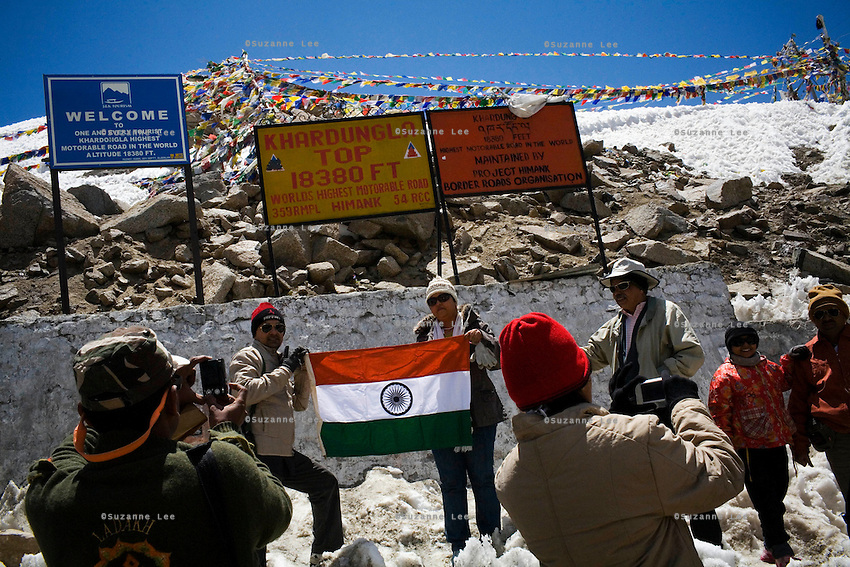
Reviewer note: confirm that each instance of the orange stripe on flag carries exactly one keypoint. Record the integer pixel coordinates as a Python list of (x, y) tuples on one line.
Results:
[(390, 363)]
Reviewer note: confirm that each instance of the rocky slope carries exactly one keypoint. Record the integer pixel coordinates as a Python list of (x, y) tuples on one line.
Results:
[(651, 206)]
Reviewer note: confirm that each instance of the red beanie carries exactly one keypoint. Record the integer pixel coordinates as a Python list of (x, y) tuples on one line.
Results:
[(540, 360), (262, 313)]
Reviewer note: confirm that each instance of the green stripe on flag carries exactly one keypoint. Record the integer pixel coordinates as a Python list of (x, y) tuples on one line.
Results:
[(399, 435)]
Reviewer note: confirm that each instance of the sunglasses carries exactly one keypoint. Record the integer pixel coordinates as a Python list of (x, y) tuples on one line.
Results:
[(739, 341), (621, 286), (442, 298), (820, 313), (267, 327)]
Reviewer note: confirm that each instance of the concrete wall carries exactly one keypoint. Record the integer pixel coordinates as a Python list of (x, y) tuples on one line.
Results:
[(38, 400)]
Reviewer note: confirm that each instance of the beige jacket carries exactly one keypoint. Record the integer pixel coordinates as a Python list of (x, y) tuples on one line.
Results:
[(275, 392), (665, 340), (586, 487)]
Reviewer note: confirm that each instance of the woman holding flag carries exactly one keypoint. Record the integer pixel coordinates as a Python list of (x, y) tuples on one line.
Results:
[(455, 464)]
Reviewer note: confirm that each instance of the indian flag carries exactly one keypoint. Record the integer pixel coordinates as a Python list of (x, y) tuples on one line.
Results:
[(385, 400)]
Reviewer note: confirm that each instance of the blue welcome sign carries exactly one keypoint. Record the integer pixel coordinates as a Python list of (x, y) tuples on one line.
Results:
[(98, 121)]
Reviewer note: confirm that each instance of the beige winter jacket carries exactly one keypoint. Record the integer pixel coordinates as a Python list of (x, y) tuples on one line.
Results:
[(275, 392), (665, 340), (586, 487)]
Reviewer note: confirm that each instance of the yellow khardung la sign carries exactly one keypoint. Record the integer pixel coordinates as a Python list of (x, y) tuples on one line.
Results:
[(344, 169)]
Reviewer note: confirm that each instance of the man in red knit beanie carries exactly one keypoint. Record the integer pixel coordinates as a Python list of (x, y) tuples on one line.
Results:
[(585, 487), (278, 386)]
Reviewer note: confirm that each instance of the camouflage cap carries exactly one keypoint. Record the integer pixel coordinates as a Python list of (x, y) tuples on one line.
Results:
[(121, 369)]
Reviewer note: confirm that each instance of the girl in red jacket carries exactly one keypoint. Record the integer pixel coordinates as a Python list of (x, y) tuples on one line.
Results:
[(745, 399)]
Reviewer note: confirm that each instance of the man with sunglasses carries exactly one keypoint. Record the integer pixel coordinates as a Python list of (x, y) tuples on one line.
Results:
[(819, 372), (121, 491), (648, 336), (277, 386)]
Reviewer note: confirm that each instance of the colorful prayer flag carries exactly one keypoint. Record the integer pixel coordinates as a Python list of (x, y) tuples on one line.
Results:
[(387, 400)]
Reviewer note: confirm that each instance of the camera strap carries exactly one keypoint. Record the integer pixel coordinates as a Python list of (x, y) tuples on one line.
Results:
[(631, 349), (209, 477)]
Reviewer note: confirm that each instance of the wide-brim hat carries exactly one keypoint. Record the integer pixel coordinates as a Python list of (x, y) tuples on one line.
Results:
[(623, 267)]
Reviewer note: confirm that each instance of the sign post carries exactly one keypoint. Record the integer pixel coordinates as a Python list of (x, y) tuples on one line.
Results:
[(104, 121)]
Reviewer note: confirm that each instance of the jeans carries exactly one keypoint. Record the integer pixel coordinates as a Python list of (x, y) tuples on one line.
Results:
[(299, 473), (454, 465)]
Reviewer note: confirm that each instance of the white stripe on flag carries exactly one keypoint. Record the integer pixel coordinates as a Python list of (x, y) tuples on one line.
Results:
[(347, 403)]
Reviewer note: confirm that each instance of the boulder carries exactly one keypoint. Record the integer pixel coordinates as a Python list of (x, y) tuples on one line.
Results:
[(320, 272), (660, 253), (462, 241), (364, 228), (593, 148), (161, 210), (400, 255), (470, 273), (14, 544), (730, 220), (505, 269), (419, 226), (208, 186), (554, 238), (95, 200), (291, 248), (821, 266), (580, 202), (727, 193), (388, 267), (650, 220), (236, 199), (218, 280), (329, 249), (26, 212), (615, 240), (242, 254)]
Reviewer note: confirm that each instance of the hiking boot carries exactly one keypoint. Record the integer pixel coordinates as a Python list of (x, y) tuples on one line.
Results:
[(316, 560)]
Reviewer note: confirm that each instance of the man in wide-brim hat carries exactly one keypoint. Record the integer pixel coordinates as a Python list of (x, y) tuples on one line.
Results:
[(650, 332)]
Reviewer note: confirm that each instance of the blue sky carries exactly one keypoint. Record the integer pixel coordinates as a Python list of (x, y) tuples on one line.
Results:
[(154, 36)]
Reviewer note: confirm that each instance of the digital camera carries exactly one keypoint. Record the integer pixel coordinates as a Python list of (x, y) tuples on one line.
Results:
[(651, 391), (213, 377)]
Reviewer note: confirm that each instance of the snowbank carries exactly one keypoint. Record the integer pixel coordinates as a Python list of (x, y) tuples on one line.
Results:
[(723, 141), (787, 302)]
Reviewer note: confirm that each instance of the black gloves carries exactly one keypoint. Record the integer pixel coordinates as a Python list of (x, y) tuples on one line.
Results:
[(676, 389), (294, 361), (800, 352), (623, 394), (623, 398)]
